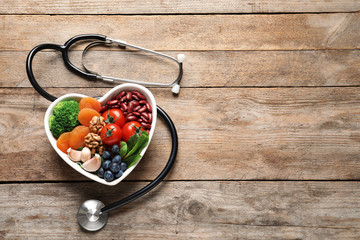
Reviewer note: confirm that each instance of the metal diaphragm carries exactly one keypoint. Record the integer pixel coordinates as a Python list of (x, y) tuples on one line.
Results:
[(90, 217)]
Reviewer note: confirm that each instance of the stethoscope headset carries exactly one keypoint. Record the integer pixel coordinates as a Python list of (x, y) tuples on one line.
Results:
[(93, 214)]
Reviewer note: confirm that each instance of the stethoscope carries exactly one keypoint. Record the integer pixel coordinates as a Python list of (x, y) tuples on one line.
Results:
[(93, 214)]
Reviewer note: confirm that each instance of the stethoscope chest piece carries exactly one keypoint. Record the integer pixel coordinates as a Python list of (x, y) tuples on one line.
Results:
[(90, 216)]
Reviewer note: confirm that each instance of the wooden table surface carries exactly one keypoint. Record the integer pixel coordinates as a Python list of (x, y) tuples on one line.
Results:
[(268, 119)]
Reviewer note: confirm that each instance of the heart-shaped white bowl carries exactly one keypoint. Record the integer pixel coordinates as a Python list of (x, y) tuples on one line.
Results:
[(114, 91)]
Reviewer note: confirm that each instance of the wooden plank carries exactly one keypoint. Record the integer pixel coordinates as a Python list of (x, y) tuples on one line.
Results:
[(256, 133), (190, 32), (187, 210), (174, 7), (207, 68)]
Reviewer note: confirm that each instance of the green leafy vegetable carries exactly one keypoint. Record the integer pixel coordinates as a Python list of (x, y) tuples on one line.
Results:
[(132, 141), (123, 149), (140, 144), (132, 160), (80, 165), (134, 147)]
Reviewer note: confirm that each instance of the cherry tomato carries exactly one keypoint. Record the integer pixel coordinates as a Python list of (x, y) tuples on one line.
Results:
[(111, 134), (114, 115), (129, 129)]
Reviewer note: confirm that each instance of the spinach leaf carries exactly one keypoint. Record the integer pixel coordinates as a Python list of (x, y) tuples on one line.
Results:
[(123, 149), (139, 145), (132, 160), (132, 141)]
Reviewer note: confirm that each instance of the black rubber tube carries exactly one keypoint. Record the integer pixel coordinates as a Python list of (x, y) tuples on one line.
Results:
[(29, 69), (64, 51)]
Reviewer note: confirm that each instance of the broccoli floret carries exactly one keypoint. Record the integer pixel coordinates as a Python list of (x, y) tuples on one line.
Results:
[(64, 118)]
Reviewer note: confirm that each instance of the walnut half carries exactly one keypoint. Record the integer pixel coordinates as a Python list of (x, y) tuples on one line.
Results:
[(93, 141), (96, 124)]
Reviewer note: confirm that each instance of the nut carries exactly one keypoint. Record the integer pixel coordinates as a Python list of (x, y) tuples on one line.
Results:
[(96, 124), (93, 141)]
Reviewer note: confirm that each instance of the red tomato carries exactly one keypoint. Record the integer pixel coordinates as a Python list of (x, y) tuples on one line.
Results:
[(129, 129), (111, 134), (114, 115)]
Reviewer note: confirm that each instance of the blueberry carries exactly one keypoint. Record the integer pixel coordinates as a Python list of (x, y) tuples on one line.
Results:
[(106, 155), (115, 149), (123, 166), (115, 167), (108, 176), (106, 164), (100, 172), (119, 174), (117, 159)]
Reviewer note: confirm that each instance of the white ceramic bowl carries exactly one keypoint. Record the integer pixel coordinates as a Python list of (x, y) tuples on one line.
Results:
[(114, 91)]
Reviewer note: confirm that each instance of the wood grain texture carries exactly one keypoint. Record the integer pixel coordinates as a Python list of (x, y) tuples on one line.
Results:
[(230, 133), (174, 7), (186, 210), (190, 32), (268, 94), (204, 68)]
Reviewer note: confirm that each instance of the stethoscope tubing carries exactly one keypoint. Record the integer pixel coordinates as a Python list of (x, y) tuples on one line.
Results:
[(64, 51)]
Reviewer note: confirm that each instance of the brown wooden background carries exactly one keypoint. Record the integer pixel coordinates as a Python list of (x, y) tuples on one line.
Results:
[(268, 119)]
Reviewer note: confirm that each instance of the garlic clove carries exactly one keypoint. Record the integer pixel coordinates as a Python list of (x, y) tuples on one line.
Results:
[(85, 154), (74, 155), (92, 164)]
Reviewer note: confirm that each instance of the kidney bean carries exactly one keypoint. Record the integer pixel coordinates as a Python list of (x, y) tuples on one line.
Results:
[(123, 98), (139, 95), (135, 97), (122, 93), (143, 109), (123, 105), (136, 108), (129, 96), (130, 107), (103, 108), (142, 102), (140, 120), (144, 119), (135, 92), (148, 106), (135, 103), (112, 102), (131, 118), (145, 114), (113, 97), (146, 125), (125, 113), (150, 118), (136, 113)]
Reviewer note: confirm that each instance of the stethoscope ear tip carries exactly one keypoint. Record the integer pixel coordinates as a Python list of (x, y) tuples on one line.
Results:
[(181, 57), (176, 89)]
